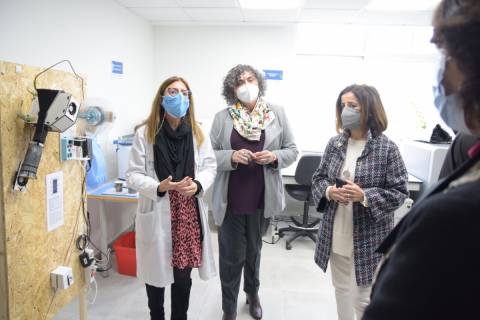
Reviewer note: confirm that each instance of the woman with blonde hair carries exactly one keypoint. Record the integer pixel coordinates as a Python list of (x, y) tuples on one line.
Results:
[(171, 165)]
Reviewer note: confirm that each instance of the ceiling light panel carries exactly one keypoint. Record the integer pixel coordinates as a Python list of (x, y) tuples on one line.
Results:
[(419, 18), (162, 14), (215, 14), (271, 15), (328, 16), (271, 4), (207, 3), (403, 5), (336, 4), (148, 3)]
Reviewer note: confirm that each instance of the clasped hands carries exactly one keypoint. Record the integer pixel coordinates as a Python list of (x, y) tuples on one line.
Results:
[(186, 186), (350, 192), (244, 156)]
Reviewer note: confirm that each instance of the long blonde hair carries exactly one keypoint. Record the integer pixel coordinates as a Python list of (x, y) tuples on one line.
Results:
[(155, 120)]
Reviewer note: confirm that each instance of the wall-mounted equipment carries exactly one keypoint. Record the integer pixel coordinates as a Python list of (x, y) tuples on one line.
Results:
[(52, 110), (96, 118), (62, 112), (80, 148), (77, 148)]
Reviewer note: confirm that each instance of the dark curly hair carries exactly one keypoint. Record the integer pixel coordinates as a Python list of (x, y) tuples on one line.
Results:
[(457, 29), (232, 80)]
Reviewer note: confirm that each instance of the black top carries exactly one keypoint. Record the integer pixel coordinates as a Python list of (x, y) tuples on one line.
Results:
[(174, 154), (246, 185), (457, 153), (432, 270)]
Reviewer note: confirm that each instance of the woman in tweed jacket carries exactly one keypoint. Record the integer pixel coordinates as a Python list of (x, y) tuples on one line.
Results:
[(359, 183)]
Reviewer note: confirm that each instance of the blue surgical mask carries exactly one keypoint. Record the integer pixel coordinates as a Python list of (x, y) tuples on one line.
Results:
[(176, 105), (449, 107)]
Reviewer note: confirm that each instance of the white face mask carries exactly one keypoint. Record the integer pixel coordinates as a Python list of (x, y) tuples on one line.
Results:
[(247, 93), (449, 107)]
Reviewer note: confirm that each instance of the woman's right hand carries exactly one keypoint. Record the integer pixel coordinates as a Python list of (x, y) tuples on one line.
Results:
[(336, 194), (167, 184), (242, 156)]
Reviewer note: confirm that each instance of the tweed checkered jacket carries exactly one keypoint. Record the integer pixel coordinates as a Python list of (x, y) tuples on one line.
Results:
[(381, 173)]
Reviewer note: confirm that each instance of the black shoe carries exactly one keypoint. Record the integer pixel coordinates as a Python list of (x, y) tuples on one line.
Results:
[(229, 316), (254, 308)]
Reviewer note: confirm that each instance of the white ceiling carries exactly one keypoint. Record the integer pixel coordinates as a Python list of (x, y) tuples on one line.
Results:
[(225, 12)]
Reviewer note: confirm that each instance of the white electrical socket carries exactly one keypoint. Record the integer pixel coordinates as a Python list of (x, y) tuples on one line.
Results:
[(90, 253), (61, 277)]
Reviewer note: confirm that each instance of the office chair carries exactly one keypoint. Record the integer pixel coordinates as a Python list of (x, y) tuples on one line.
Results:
[(302, 192)]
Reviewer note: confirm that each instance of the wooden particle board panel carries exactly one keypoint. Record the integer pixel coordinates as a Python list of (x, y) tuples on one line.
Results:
[(3, 261), (28, 252)]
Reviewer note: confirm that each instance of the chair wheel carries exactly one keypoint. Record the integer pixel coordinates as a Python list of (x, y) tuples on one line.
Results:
[(288, 246)]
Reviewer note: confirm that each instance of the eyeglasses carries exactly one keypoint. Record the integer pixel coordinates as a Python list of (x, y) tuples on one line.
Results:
[(174, 91)]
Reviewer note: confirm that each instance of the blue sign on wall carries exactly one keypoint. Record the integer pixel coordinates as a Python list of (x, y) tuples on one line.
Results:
[(273, 74), (117, 67)]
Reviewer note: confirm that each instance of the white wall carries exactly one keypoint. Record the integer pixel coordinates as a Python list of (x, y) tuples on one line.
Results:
[(90, 34), (318, 61), (203, 56)]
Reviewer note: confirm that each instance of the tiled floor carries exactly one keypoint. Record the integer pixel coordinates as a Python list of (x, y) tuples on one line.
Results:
[(292, 287)]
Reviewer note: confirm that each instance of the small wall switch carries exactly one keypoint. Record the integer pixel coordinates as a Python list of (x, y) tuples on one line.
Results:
[(61, 277), (18, 68)]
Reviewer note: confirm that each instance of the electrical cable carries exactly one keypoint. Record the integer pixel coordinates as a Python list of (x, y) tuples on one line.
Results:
[(75, 231), (50, 304), (273, 242), (53, 65), (96, 291), (84, 240), (274, 224)]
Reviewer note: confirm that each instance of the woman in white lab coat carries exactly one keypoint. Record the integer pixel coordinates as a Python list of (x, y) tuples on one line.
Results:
[(171, 165)]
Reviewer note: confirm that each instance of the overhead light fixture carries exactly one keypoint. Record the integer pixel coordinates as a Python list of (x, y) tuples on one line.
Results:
[(404, 5), (271, 4)]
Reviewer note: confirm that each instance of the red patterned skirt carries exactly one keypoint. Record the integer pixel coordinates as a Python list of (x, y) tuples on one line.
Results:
[(186, 232)]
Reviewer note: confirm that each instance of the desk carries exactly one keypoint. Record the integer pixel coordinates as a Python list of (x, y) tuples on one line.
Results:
[(101, 195), (288, 174)]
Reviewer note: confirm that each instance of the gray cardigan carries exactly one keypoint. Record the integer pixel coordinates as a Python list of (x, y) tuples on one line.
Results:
[(278, 139)]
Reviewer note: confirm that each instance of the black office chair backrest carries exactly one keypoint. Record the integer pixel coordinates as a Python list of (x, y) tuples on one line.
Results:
[(306, 167)]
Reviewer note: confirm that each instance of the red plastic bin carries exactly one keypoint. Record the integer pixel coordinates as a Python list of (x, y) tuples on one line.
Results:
[(125, 251)]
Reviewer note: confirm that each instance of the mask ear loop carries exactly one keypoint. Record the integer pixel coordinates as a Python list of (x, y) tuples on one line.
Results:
[(161, 122)]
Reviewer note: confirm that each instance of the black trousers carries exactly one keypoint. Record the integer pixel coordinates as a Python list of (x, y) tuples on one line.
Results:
[(180, 296), (240, 245)]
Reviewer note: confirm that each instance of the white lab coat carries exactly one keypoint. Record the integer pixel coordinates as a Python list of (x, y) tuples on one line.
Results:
[(153, 220)]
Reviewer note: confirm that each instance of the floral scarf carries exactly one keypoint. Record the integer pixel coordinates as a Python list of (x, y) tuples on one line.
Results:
[(250, 124)]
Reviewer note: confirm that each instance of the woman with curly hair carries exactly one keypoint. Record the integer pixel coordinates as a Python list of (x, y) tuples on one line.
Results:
[(430, 270), (252, 142)]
